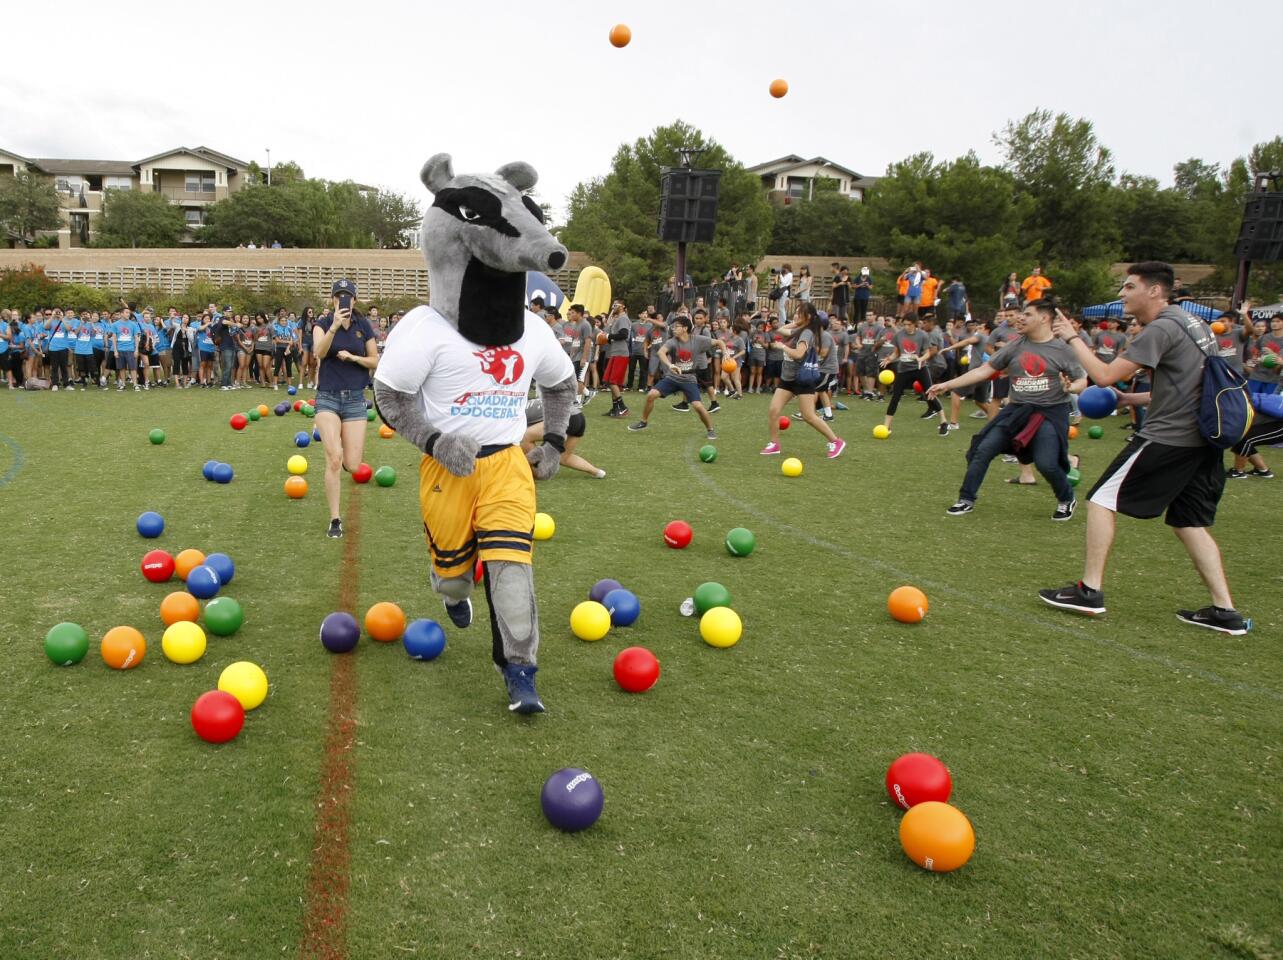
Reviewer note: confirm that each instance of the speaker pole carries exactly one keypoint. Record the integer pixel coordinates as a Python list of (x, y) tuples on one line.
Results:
[(681, 271)]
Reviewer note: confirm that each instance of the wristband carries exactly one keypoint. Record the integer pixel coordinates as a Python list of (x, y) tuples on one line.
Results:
[(555, 441), (431, 442)]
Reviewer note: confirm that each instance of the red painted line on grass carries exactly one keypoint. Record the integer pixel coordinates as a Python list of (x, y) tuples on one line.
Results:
[(326, 900)]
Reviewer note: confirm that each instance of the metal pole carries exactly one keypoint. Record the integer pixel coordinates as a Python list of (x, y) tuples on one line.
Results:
[(681, 271), (269, 166)]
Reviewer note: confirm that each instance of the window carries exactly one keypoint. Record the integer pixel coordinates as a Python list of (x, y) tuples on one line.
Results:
[(195, 216), (117, 183), (199, 181), (797, 187), (69, 184)]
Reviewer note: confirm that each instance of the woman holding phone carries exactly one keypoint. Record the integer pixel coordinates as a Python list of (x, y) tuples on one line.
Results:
[(345, 345)]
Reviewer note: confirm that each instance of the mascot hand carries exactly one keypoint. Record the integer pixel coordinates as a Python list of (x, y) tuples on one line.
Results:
[(544, 461), (456, 453)]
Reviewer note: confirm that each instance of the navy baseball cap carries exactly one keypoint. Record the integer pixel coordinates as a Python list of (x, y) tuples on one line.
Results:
[(343, 286)]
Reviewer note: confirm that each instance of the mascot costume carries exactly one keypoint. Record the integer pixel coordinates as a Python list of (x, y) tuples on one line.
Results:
[(453, 380)]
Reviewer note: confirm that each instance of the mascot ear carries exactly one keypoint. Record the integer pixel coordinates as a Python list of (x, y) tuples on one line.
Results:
[(437, 172), (520, 175)]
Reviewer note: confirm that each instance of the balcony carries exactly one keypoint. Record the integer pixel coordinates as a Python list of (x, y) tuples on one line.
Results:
[(188, 197)]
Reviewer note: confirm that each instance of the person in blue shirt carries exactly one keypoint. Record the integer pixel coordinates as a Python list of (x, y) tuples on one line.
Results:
[(6, 334), (282, 340), (126, 336), (162, 337), (98, 325), (307, 366), (59, 354), (83, 350), (35, 344), (205, 351)]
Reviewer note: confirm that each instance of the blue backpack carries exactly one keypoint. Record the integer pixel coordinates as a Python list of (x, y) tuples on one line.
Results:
[(1225, 409)]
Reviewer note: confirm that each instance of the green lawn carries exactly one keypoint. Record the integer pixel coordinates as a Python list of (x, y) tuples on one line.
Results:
[(1121, 775)]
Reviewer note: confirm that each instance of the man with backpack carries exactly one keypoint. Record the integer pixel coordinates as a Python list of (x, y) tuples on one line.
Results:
[(1167, 465)]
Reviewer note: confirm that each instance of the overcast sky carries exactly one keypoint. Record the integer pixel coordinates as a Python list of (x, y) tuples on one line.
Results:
[(367, 91)]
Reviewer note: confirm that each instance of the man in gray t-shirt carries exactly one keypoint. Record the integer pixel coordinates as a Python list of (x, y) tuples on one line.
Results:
[(1041, 370), (679, 357), (618, 331), (1165, 466)]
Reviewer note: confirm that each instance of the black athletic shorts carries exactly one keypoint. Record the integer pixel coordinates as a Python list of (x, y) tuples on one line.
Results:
[(792, 387), (704, 378), (1147, 478), (866, 365), (1001, 388)]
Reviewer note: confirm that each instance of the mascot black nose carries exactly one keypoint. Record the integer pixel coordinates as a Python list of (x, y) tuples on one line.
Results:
[(556, 260)]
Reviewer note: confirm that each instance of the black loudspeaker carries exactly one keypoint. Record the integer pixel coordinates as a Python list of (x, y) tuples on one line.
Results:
[(1260, 238), (688, 204)]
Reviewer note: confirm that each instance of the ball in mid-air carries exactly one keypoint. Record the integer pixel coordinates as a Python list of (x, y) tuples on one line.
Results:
[(545, 526), (779, 88), (620, 35)]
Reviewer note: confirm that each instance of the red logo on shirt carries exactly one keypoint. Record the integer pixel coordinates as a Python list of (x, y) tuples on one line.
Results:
[(908, 346), (504, 365), (1107, 342), (683, 355), (1227, 344), (1033, 364)]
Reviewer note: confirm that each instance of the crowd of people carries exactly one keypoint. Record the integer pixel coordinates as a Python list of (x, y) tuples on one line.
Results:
[(63, 348)]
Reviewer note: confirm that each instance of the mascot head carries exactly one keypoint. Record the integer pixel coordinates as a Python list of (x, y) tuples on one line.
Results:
[(480, 236)]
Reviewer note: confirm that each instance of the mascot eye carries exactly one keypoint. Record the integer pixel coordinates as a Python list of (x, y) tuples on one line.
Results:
[(469, 214)]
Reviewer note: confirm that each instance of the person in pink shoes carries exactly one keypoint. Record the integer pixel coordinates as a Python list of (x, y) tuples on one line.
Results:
[(802, 334)]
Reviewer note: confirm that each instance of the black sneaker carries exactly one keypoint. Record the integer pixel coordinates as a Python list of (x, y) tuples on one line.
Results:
[(336, 529), (928, 415), (1266, 474), (944, 429), (460, 613), (682, 407), (520, 681), (1232, 474), (714, 407), (959, 508), (1075, 597), (1215, 618), (1065, 511), (618, 413), (639, 425)]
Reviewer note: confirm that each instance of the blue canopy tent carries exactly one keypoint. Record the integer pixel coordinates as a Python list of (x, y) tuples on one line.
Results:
[(1114, 310)]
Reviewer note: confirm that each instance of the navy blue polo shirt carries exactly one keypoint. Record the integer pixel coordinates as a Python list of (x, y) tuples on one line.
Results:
[(339, 374)]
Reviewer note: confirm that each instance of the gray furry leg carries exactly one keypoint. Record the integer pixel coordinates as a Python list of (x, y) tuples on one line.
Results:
[(514, 618), (453, 589)]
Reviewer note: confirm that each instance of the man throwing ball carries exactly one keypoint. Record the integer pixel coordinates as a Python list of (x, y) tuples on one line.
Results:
[(678, 357)]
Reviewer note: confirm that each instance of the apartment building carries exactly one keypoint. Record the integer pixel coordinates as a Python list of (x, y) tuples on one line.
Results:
[(189, 177), (792, 179)]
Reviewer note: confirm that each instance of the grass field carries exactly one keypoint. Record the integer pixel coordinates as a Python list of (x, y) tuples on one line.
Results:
[(1122, 775)]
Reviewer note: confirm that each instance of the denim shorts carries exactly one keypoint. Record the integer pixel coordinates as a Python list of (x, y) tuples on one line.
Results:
[(347, 404)]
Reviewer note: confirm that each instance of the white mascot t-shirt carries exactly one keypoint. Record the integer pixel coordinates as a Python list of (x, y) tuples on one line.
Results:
[(466, 388)]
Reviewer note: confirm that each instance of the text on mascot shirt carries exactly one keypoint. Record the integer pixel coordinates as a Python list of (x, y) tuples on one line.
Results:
[(465, 387)]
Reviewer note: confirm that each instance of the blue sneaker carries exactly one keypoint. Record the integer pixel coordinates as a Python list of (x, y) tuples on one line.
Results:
[(522, 696), (460, 613), (840, 406)]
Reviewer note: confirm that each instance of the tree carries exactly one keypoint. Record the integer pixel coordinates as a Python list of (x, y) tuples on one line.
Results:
[(258, 214), (614, 218), (1154, 224), (1067, 175), (390, 218), (137, 218), (828, 225), (28, 204), (959, 218)]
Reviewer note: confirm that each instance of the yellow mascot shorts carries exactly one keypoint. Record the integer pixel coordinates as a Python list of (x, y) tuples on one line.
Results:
[(491, 512)]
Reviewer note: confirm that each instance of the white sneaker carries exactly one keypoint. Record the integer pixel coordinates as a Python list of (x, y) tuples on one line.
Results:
[(54, 388)]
